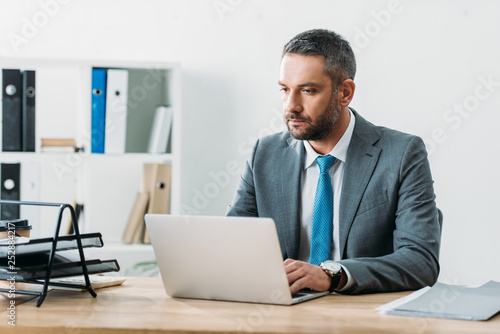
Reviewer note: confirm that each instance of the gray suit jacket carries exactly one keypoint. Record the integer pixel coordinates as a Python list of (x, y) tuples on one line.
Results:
[(389, 230)]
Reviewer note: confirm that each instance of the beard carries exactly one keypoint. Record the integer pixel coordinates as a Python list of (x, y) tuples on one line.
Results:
[(319, 129)]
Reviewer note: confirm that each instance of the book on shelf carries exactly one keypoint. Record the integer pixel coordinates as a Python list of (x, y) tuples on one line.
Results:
[(156, 181), (160, 130), (11, 110), (30, 191), (132, 231), (28, 112), (58, 142), (18, 110), (10, 189), (58, 145), (20, 181), (153, 197), (78, 212), (98, 122), (116, 111)]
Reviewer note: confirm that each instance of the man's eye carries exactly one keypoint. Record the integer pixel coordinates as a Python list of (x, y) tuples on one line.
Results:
[(309, 91), (284, 90)]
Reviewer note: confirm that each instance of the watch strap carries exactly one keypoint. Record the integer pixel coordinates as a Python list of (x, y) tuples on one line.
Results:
[(335, 281)]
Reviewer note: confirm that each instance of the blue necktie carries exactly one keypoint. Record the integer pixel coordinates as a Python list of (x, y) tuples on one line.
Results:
[(322, 223)]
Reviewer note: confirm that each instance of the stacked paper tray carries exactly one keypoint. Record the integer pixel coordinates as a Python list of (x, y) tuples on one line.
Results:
[(28, 274), (28, 260), (34, 266), (25, 246)]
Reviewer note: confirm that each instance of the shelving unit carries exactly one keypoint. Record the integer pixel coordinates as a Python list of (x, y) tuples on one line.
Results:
[(106, 184)]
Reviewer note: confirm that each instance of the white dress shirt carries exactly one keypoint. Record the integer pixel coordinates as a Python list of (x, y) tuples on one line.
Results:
[(310, 176)]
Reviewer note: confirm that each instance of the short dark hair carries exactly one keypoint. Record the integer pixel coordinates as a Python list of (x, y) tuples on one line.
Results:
[(340, 63)]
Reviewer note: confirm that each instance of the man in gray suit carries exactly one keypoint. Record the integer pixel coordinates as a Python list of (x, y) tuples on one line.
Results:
[(379, 229)]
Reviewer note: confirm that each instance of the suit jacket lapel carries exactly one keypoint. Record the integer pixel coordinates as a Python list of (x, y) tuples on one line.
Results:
[(362, 157), (291, 162)]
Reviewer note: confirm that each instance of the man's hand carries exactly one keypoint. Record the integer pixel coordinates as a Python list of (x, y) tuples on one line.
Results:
[(303, 275)]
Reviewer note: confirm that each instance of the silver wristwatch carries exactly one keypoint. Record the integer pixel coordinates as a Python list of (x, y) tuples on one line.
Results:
[(334, 270)]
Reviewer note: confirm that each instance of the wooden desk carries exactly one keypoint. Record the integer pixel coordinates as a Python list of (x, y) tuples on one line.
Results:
[(140, 305)]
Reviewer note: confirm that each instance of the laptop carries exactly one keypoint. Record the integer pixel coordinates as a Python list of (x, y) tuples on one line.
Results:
[(222, 258)]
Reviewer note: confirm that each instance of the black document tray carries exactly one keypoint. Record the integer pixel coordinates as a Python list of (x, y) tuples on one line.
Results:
[(45, 244), (28, 274), (63, 267)]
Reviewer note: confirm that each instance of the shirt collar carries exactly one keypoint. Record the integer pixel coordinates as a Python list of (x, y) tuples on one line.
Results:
[(339, 151)]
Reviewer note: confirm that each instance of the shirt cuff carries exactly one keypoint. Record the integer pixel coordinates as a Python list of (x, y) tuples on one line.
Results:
[(351, 281)]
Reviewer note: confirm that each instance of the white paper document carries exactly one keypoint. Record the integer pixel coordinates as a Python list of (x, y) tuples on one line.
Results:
[(448, 301)]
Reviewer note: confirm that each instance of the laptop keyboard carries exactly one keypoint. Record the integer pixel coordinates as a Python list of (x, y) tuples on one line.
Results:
[(299, 294)]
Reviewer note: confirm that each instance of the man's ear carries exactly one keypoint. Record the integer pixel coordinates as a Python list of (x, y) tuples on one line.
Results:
[(346, 92)]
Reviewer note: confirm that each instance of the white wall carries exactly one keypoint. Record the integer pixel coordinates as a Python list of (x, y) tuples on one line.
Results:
[(418, 63)]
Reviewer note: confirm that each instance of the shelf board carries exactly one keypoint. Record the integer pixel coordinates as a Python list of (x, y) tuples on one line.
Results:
[(12, 156)]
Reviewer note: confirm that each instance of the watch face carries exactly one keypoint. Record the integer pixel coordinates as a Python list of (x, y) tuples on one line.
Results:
[(332, 266)]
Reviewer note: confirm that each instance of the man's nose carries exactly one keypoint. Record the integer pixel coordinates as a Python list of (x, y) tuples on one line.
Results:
[(292, 103)]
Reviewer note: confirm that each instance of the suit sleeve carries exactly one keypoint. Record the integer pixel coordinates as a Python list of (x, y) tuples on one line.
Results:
[(244, 201), (416, 237)]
